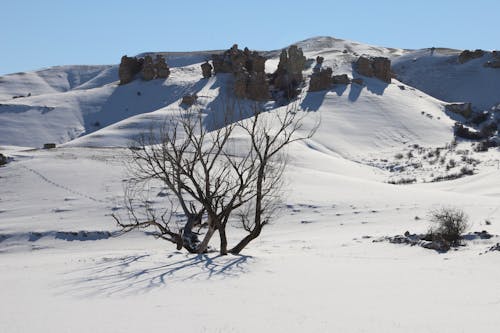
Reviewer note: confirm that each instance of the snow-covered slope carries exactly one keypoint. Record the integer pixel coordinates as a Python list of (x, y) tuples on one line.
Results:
[(70, 106), (55, 79), (441, 75)]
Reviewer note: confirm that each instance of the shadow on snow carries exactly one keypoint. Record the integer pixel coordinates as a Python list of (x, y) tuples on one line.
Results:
[(135, 274)]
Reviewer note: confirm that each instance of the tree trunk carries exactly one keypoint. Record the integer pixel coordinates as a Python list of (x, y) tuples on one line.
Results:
[(223, 240), (246, 240), (202, 248), (189, 239)]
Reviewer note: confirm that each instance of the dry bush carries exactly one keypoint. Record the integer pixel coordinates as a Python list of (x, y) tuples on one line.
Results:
[(449, 223)]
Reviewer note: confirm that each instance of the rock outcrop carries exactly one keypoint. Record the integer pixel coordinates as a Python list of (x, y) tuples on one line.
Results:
[(288, 77), (248, 69), (321, 80), (364, 66), (378, 67), (161, 67), (149, 69), (129, 67), (467, 55), (157, 69), (148, 72), (463, 109), (206, 70)]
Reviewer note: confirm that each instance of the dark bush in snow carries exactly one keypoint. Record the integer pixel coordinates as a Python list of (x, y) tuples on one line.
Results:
[(449, 225)]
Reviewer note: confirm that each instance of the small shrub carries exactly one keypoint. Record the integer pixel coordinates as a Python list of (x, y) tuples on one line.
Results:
[(449, 224), (402, 181), (398, 156)]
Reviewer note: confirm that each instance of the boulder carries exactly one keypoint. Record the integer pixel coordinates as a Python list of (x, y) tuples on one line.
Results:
[(467, 55), (341, 79), (206, 70), (378, 67), (129, 67), (321, 80), (463, 109), (49, 146), (189, 100), (3, 159), (148, 69), (161, 67)]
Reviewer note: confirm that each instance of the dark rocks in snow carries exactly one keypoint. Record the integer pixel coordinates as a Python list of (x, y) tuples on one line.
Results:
[(49, 146), (463, 109), (484, 145), (288, 77), (382, 69), (257, 88), (228, 61), (189, 100), (466, 133), (341, 79), (434, 242), (492, 64), (161, 67), (467, 55), (3, 159), (129, 67), (378, 67), (364, 66), (495, 247), (82, 235), (480, 117), (489, 129), (248, 69), (206, 70), (148, 69), (321, 80), (357, 80), (157, 69)]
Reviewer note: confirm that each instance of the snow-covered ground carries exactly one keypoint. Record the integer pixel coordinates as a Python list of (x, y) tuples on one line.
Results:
[(315, 268)]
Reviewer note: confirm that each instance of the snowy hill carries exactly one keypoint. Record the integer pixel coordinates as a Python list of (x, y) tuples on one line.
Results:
[(384, 155), (441, 75), (71, 102)]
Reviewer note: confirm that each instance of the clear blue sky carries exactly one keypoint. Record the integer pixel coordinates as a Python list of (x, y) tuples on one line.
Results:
[(36, 33)]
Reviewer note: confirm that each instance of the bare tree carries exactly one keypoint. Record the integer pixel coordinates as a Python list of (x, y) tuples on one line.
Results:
[(209, 178)]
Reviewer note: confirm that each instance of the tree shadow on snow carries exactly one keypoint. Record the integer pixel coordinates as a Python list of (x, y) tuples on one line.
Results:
[(135, 274)]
